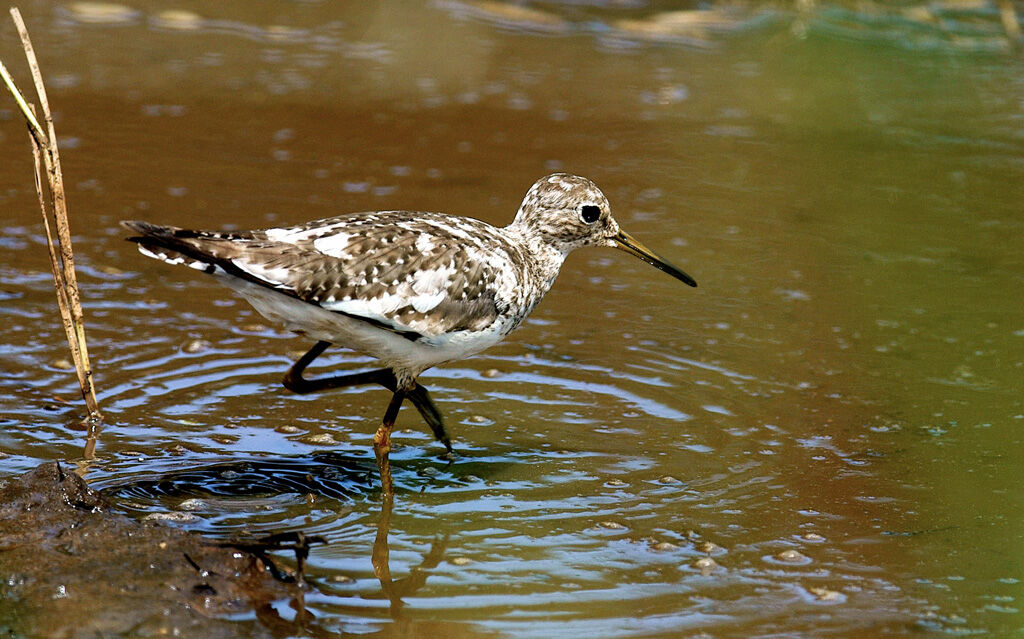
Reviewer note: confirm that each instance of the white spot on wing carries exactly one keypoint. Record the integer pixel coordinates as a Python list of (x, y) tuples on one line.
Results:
[(377, 308), (424, 303), (334, 245), (295, 235), (424, 243), (426, 291), (429, 288), (272, 276), (431, 282)]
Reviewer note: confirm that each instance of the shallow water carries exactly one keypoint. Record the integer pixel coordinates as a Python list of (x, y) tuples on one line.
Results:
[(845, 383)]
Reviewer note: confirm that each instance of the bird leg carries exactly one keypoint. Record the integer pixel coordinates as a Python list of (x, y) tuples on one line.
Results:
[(295, 382), (382, 442), (421, 400)]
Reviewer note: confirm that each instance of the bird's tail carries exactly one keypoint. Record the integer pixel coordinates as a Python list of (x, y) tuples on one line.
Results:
[(201, 250)]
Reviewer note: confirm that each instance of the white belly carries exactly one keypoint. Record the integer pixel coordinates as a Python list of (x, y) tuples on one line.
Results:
[(392, 349)]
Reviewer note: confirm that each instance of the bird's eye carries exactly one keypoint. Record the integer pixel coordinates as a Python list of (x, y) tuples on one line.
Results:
[(590, 213)]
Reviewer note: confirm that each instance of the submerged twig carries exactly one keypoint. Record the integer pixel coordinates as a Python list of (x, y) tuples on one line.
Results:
[(45, 154)]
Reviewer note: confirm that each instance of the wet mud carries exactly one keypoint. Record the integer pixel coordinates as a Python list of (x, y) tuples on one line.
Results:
[(62, 550)]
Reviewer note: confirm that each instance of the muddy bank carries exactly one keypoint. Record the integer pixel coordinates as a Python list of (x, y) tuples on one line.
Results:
[(62, 551)]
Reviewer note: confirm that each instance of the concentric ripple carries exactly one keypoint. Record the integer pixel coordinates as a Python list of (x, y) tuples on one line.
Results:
[(326, 474)]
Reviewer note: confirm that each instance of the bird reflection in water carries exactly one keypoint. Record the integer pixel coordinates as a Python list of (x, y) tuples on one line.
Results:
[(329, 475)]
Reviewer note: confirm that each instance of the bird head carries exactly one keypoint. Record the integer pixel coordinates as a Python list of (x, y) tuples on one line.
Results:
[(568, 211)]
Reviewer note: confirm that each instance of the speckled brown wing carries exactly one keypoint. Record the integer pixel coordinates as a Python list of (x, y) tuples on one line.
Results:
[(421, 276)]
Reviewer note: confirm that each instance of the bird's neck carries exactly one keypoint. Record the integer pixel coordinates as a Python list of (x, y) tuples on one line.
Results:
[(543, 257)]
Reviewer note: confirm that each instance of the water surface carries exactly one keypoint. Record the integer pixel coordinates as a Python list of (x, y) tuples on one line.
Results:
[(844, 384)]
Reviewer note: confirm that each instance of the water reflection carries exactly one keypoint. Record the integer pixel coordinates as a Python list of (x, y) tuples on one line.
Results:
[(333, 476), (397, 589)]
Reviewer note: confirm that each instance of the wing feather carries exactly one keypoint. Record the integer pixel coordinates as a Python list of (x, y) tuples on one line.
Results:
[(417, 274)]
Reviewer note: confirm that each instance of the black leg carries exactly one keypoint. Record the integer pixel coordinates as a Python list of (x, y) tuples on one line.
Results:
[(295, 382), (421, 400)]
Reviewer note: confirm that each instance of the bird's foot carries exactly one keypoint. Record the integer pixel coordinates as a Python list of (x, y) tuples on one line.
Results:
[(381, 448), (449, 455)]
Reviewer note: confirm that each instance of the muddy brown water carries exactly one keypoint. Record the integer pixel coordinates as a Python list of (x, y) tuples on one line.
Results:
[(833, 417)]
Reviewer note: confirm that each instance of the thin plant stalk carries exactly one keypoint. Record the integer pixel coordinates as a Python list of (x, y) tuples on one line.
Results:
[(45, 154)]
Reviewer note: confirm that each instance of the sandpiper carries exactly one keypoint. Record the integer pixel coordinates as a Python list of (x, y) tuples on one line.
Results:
[(411, 289)]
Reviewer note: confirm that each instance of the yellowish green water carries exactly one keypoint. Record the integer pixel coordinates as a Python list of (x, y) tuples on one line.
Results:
[(845, 383)]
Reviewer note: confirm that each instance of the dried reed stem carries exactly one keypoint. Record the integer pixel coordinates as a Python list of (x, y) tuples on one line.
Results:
[(44, 151)]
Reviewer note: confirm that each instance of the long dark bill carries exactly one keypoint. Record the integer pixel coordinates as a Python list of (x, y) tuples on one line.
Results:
[(628, 243)]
